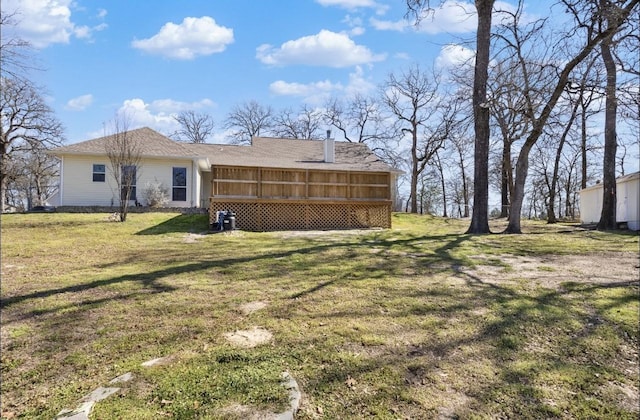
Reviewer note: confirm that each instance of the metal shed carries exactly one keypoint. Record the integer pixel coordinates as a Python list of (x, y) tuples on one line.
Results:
[(627, 202)]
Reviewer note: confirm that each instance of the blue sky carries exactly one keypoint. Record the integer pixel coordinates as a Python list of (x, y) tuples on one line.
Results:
[(155, 58)]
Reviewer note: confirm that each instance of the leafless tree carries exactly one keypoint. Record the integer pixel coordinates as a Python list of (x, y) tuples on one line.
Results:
[(587, 43), (16, 54), (248, 120), (27, 123), (423, 116), (305, 124), (125, 157), (32, 178), (507, 114), (195, 127), (484, 8), (360, 120)]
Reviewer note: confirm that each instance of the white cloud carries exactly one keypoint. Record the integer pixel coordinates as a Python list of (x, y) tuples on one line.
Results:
[(355, 24), (359, 84), (302, 90), (193, 37), (317, 92), (449, 17), (329, 49), (453, 55), (158, 114), (46, 22), (80, 103), (355, 4)]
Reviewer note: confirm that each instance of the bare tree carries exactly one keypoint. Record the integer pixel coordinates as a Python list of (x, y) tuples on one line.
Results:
[(125, 158), (43, 172), (507, 106), (360, 120), (16, 58), (304, 124), (195, 127), (592, 39), (414, 100), (248, 120), (27, 124), (484, 8)]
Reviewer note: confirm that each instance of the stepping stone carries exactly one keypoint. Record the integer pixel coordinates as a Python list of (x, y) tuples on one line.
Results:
[(122, 378), (154, 362), (83, 410), (249, 338), (295, 396)]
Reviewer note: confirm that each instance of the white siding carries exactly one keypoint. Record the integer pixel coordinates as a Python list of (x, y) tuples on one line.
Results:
[(591, 204), (78, 188), (627, 202)]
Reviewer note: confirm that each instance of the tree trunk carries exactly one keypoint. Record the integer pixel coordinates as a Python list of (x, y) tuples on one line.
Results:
[(608, 215), (414, 189), (522, 168), (465, 193), (3, 192), (506, 179), (480, 215), (3, 173), (442, 184), (551, 214), (583, 146)]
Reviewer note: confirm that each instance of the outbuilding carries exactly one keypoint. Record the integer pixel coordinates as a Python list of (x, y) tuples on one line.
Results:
[(627, 201)]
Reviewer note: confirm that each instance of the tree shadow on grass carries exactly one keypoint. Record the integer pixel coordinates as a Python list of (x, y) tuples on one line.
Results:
[(183, 223), (519, 319)]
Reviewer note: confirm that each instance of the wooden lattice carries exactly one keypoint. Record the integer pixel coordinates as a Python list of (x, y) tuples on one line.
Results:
[(271, 215)]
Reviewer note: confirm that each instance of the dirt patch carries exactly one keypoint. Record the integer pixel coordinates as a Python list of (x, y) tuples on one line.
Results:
[(251, 307), (245, 412), (553, 270), (625, 396), (249, 338), (192, 238), (324, 233)]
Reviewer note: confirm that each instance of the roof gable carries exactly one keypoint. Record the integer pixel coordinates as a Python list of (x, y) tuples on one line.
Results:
[(150, 142), (263, 152)]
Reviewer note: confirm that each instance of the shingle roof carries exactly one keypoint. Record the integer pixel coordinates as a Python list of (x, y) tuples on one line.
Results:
[(150, 143), (264, 152), (294, 154)]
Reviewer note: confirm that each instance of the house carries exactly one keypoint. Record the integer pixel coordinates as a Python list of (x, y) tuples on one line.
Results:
[(272, 184), (627, 201)]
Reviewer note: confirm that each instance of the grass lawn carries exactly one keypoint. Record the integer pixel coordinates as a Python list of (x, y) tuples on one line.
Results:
[(417, 321)]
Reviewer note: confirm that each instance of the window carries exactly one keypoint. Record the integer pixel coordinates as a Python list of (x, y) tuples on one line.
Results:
[(179, 184), (128, 179), (99, 172)]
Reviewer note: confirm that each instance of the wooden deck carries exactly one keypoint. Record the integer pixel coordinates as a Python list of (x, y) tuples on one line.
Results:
[(267, 199)]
